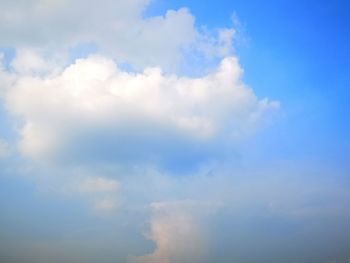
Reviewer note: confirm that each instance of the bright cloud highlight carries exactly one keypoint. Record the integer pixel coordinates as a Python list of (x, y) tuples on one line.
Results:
[(92, 104)]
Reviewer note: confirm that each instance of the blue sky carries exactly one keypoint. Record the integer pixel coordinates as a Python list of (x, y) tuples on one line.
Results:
[(296, 52), (127, 128)]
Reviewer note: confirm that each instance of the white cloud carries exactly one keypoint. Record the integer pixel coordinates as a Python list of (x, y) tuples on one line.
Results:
[(119, 29), (218, 43), (92, 111), (31, 62), (94, 106), (178, 232)]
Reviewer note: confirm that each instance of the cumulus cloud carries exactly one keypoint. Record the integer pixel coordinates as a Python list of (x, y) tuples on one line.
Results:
[(117, 138), (92, 106), (178, 232), (118, 28)]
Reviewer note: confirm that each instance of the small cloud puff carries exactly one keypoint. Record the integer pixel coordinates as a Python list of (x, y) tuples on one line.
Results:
[(178, 232)]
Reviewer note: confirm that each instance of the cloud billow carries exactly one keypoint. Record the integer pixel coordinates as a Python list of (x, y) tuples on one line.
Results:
[(94, 110)]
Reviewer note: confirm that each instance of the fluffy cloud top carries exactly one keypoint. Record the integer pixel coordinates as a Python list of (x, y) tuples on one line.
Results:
[(118, 28), (93, 107)]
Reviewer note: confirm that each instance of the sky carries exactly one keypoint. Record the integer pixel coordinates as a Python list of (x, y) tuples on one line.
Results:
[(174, 131)]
